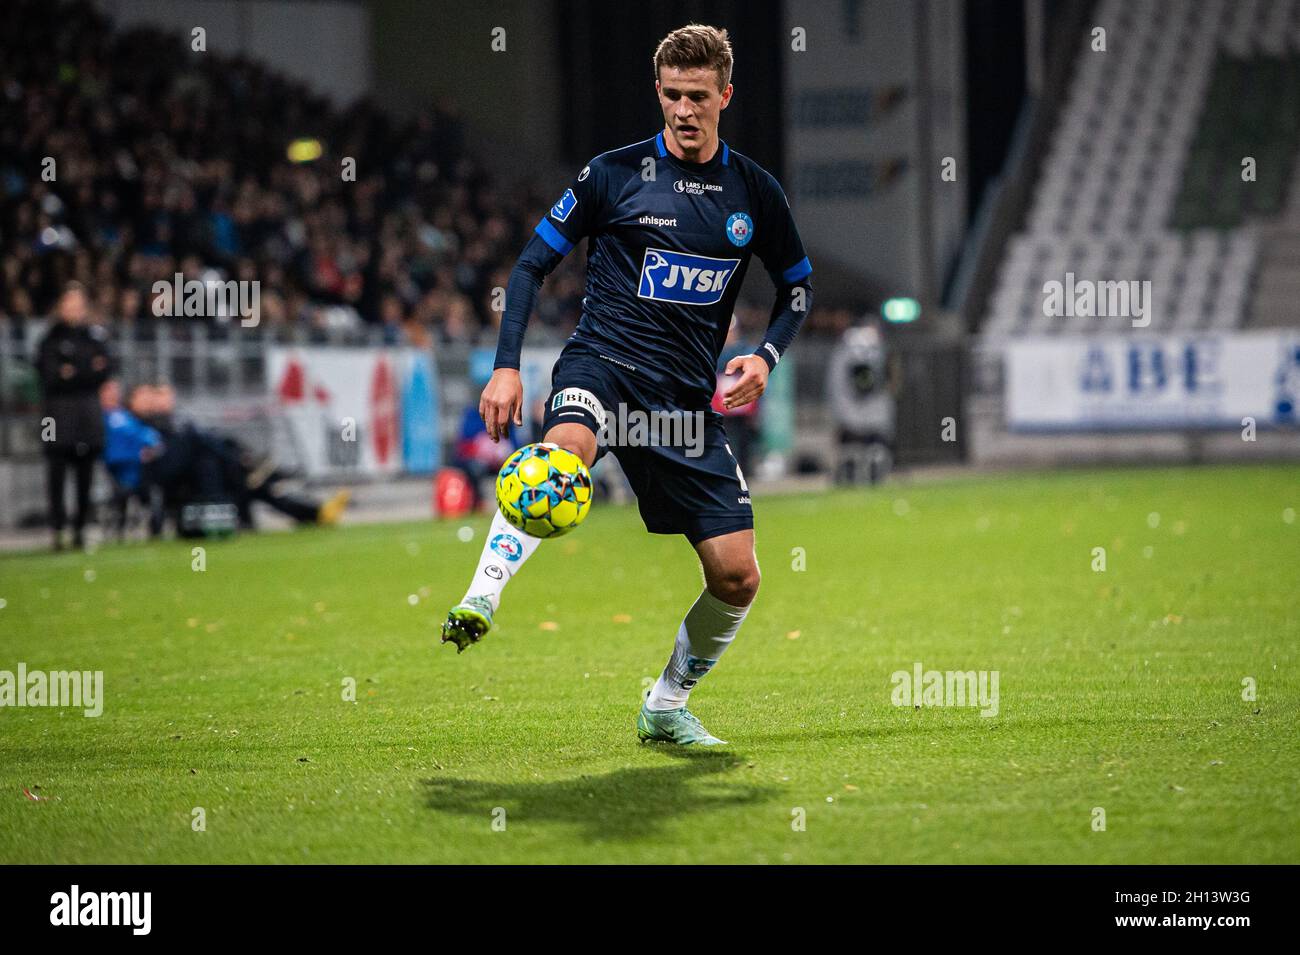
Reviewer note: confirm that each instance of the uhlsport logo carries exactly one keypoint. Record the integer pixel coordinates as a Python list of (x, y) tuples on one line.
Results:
[(508, 546), (684, 278), (560, 211), (740, 229), (663, 222)]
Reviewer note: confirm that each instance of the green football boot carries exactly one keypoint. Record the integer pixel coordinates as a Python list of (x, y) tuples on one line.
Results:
[(673, 726), (467, 622)]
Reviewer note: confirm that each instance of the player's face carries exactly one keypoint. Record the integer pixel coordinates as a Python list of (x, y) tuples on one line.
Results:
[(692, 105)]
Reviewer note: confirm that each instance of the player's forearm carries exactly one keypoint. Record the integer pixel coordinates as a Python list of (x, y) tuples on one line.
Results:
[(793, 303), (535, 263)]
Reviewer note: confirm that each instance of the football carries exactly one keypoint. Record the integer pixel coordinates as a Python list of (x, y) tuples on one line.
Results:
[(544, 490)]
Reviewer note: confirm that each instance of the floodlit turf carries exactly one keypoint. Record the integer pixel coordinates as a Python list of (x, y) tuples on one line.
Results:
[(1118, 690)]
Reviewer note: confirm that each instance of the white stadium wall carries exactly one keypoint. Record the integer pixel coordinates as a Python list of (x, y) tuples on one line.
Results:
[(870, 201)]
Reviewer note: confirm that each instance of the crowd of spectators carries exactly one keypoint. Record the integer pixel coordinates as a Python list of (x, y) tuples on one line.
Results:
[(168, 160)]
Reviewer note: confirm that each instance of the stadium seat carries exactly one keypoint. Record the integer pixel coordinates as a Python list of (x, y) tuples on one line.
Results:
[(1142, 179)]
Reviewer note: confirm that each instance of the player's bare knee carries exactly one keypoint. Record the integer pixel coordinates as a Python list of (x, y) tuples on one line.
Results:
[(737, 586), (577, 438)]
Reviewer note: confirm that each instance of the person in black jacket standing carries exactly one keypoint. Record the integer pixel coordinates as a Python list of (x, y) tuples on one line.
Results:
[(72, 362)]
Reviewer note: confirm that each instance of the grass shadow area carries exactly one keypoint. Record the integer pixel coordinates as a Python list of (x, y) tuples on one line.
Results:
[(623, 805)]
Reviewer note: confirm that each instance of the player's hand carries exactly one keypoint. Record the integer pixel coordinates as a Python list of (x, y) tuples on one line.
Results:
[(753, 381), (502, 402)]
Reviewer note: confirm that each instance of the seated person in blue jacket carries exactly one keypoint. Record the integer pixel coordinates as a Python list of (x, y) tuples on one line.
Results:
[(129, 444), (167, 464)]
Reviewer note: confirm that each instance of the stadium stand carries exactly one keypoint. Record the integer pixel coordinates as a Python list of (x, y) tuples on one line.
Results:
[(169, 161), (1144, 177)]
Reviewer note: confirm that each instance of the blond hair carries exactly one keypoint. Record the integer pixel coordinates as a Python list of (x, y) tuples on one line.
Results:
[(696, 46)]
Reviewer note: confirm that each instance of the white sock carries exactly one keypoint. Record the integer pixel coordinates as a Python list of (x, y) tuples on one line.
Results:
[(504, 552), (708, 629)]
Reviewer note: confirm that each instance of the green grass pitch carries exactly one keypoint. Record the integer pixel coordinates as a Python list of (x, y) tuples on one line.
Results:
[(1119, 690)]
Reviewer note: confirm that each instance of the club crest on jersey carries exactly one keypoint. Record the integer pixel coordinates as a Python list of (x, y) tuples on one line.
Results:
[(698, 665), (560, 211), (508, 546), (683, 278), (740, 228)]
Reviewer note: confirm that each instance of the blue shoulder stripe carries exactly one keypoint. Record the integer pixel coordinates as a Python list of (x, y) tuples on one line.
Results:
[(660, 148), (555, 239), (800, 270)]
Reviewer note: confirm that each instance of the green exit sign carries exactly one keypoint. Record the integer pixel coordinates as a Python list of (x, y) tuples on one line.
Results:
[(901, 310)]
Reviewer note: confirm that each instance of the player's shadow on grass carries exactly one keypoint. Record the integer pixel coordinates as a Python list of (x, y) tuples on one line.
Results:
[(626, 804)]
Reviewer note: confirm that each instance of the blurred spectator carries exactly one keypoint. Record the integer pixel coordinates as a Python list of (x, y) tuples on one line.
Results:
[(129, 446), (479, 456), (72, 362), (196, 465), (129, 442)]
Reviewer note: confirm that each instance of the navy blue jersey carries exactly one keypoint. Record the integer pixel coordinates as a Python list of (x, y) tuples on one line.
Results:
[(670, 242)]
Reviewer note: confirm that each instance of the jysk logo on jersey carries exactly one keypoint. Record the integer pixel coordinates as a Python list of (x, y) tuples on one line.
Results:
[(740, 229), (560, 211), (683, 278)]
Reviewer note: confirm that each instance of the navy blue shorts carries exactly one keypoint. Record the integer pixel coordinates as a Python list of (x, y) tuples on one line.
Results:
[(677, 459)]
